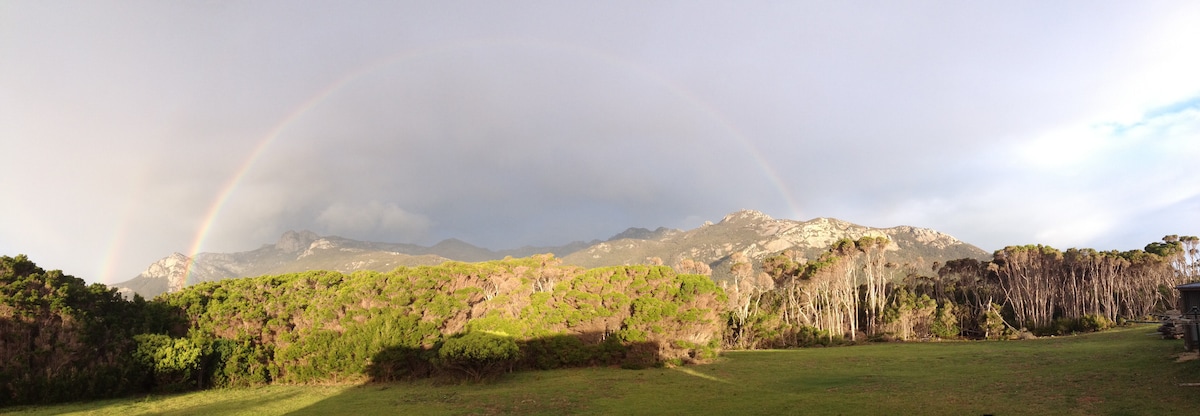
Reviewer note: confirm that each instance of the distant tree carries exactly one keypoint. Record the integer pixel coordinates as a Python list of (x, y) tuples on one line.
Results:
[(744, 293), (875, 277), (689, 266), (1027, 275), (1181, 252), (785, 269), (549, 274)]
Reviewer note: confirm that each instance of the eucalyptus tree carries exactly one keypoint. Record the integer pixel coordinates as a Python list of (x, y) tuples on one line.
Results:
[(744, 294), (1191, 250), (875, 277), (690, 266), (785, 270), (1028, 276)]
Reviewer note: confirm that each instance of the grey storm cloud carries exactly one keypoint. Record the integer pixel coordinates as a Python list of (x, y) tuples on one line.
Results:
[(137, 130)]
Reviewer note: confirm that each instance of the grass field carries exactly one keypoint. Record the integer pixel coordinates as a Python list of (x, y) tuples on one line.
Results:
[(1119, 372)]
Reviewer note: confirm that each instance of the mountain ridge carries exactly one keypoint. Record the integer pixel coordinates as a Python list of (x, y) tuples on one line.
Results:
[(751, 233), (757, 236)]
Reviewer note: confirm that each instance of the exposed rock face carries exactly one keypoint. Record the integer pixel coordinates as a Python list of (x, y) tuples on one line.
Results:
[(758, 236), (165, 275), (320, 244), (294, 242)]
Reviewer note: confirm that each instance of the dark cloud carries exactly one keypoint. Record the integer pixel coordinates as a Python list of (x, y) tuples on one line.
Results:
[(524, 123)]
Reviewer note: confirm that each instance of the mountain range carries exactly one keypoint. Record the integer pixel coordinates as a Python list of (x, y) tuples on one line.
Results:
[(751, 233)]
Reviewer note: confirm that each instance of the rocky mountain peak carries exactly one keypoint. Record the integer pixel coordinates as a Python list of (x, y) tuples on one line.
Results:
[(162, 267), (758, 236), (747, 215), (319, 244), (295, 242), (173, 269), (829, 223), (928, 236)]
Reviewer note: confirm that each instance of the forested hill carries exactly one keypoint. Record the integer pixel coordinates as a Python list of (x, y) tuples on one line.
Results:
[(708, 250), (61, 339)]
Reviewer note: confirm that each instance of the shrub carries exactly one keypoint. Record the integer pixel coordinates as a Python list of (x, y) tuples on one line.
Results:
[(945, 322), (173, 361), (558, 351), (1094, 323), (478, 354), (992, 323), (1087, 323), (807, 336), (399, 363), (641, 355)]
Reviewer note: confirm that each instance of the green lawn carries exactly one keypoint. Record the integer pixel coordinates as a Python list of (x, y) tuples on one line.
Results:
[(1125, 371)]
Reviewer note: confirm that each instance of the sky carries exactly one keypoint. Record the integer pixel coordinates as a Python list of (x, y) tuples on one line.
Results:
[(130, 130)]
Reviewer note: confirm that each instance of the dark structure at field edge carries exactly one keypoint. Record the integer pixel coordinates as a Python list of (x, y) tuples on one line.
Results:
[(1189, 305)]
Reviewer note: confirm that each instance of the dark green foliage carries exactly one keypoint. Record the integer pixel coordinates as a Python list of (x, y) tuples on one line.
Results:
[(330, 327), (174, 362), (641, 355), (992, 325), (1165, 248), (807, 336), (401, 363), (478, 354), (560, 351), (1068, 326), (945, 323), (234, 363), (1094, 323), (555, 352), (61, 339)]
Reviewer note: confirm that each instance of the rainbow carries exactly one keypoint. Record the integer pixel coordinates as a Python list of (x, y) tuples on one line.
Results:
[(230, 186), (108, 264)]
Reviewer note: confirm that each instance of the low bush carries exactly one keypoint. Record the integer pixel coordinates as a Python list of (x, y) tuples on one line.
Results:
[(478, 354)]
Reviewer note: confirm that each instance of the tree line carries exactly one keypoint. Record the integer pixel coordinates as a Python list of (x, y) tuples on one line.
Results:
[(61, 339), (850, 293)]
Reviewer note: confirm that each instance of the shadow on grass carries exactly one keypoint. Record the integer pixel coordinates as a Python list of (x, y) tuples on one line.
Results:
[(240, 406), (263, 400), (422, 383)]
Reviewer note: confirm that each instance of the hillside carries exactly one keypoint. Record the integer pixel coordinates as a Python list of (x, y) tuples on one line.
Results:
[(758, 236), (305, 250), (294, 252), (749, 232)]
